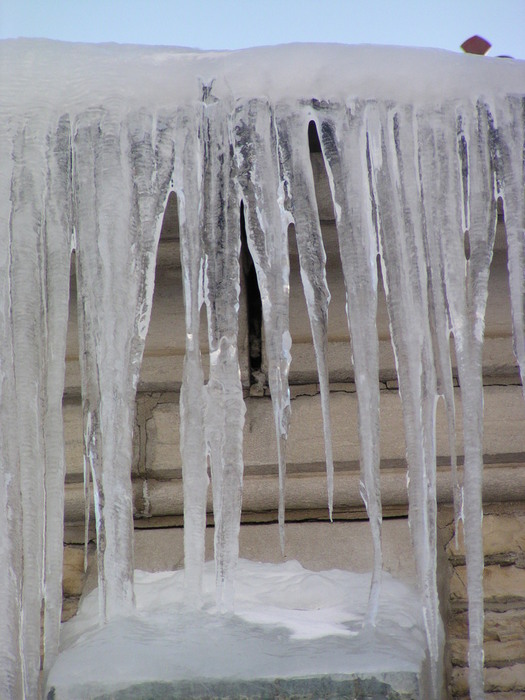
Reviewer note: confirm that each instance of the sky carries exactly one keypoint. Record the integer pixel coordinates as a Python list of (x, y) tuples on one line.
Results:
[(234, 24)]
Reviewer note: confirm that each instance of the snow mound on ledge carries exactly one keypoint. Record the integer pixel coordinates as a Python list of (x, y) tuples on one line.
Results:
[(288, 622)]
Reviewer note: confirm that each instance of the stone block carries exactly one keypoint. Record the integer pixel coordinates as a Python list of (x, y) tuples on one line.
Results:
[(500, 584), (501, 533), (73, 437), (504, 626), (305, 440), (497, 653), (74, 440), (162, 439), (69, 608), (318, 546), (73, 571), (509, 679)]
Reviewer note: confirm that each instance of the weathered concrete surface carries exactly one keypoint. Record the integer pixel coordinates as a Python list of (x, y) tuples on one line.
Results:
[(504, 433)]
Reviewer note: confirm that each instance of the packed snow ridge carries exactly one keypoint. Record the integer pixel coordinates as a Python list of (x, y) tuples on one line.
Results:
[(418, 146)]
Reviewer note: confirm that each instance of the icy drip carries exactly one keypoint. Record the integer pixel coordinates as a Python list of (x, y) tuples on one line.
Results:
[(465, 284), (28, 333), (188, 184), (482, 219), (434, 217), (510, 171), (393, 159), (58, 226), (12, 537), (344, 144), (35, 185), (120, 181), (300, 191), (225, 409), (267, 221)]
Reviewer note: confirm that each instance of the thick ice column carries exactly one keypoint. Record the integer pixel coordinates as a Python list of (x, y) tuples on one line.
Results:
[(119, 197), (292, 127), (27, 282), (225, 409), (261, 188), (482, 230), (188, 184), (36, 204), (10, 506), (344, 144), (393, 157)]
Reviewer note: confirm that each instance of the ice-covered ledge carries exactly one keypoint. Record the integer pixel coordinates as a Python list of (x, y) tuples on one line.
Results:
[(293, 631)]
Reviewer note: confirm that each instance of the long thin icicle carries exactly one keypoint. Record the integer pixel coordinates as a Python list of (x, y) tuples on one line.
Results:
[(58, 229), (120, 189), (511, 177), (225, 407), (482, 232), (298, 177), (344, 144), (266, 228), (188, 184), (396, 190), (11, 684), (28, 267)]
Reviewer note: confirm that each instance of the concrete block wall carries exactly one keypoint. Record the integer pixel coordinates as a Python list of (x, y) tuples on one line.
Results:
[(156, 469)]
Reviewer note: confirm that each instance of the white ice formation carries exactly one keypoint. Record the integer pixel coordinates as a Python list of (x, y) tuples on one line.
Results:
[(418, 146)]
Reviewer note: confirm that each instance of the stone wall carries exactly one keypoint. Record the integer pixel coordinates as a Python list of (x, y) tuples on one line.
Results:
[(504, 588)]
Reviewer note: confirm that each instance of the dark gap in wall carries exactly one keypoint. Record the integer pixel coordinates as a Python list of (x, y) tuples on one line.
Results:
[(313, 138), (253, 306), (466, 244)]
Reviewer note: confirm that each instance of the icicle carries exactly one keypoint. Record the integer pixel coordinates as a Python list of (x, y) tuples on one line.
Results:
[(10, 506), (120, 189), (58, 228), (343, 140), (511, 145), (465, 285), (192, 398), (255, 144), (29, 338), (439, 316), (225, 407), (298, 178), (397, 196), (482, 219)]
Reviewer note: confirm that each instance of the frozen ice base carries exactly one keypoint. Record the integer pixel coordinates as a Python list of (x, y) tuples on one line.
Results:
[(294, 634)]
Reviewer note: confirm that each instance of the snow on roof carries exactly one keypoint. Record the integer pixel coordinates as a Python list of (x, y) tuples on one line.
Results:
[(59, 75)]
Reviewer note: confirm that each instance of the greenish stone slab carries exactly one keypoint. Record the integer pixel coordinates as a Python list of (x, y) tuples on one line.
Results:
[(385, 686)]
